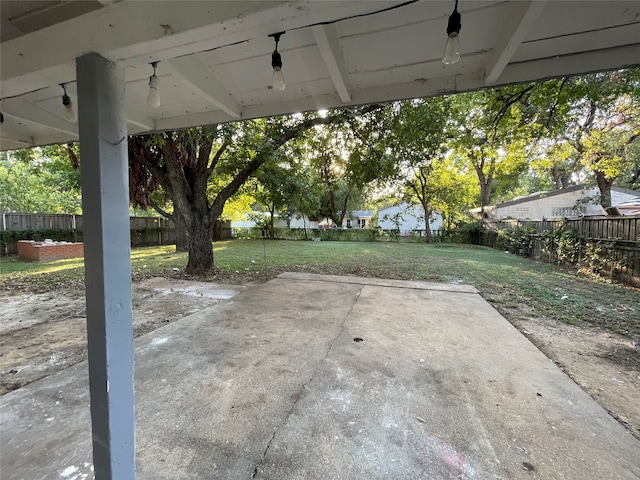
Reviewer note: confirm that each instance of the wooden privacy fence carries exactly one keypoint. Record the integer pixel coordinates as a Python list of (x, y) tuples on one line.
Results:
[(608, 245), (145, 231)]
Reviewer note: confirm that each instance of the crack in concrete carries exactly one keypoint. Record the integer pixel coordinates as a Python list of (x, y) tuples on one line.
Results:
[(309, 380)]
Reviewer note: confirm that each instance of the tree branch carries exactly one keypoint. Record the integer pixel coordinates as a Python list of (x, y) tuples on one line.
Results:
[(216, 158), (590, 117), (508, 102), (556, 102), (203, 157), (161, 211)]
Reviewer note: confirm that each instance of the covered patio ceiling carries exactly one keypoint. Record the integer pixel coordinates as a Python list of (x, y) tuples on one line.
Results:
[(215, 57)]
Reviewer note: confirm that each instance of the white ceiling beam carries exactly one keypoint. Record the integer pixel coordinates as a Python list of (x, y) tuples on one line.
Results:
[(520, 18), (12, 144), (573, 64), (124, 29), (327, 40), (386, 93), (25, 110), (196, 73), (141, 121)]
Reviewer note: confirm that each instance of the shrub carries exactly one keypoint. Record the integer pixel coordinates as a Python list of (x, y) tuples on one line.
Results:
[(518, 240), (466, 232)]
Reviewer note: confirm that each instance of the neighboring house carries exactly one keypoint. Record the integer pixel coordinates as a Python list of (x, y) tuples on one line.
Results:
[(358, 219), (296, 221), (581, 200), (406, 218), (303, 221), (489, 212), (632, 207)]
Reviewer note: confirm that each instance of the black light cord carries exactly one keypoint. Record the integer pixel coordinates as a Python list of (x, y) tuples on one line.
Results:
[(359, 15), (327, 22)]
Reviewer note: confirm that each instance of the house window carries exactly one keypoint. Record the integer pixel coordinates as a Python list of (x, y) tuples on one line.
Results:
[(568, 211), (521, 210), (348, 223), (362, 222)]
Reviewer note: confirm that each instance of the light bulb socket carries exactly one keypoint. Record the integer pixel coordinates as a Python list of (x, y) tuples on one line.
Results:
[(153, 81), (454, 26), (69, 111), (276, 59)]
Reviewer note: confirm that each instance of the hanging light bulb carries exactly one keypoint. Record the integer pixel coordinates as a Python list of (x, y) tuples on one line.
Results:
[(69, 110), (153, 98), (452, 48), (276, 63)]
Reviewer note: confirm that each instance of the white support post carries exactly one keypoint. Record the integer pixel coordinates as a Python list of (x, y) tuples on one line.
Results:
[(105, 205)]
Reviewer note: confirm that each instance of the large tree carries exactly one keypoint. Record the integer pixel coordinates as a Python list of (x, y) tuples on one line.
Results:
[(419, 130), (278, 190), (599, 122), (184, 162), (442, 185), (583, 125), (490, 137)]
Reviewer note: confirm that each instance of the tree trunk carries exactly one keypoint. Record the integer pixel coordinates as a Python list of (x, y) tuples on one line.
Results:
[(485, 194), (604, 184), (182, 234), (332, 206), (485, 181), (200, 245), (344, 210), (427, 223), (272, 231)]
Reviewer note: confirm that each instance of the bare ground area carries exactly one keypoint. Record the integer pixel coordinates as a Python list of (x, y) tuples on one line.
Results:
[(42, 333)]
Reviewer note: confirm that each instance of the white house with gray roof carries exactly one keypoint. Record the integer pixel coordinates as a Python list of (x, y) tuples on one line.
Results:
[(577, 201), (407, 218)]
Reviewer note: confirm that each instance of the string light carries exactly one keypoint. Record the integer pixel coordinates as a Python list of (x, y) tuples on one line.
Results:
[(153, 98), (276, 63), (69, 110), (452, 48)]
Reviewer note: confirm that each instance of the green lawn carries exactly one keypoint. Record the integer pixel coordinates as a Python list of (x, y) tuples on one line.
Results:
[(516, 285)]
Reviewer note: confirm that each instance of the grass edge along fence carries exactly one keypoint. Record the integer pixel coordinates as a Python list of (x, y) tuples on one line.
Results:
[(607, 246)]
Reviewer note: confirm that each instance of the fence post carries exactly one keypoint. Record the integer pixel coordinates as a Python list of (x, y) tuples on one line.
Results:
[(4, 227), (611, 259)]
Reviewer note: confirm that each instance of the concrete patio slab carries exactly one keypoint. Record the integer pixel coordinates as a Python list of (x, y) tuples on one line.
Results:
[(321, 377)]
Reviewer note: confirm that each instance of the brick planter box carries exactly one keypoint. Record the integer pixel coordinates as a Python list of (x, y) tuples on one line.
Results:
[(47, 251)]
